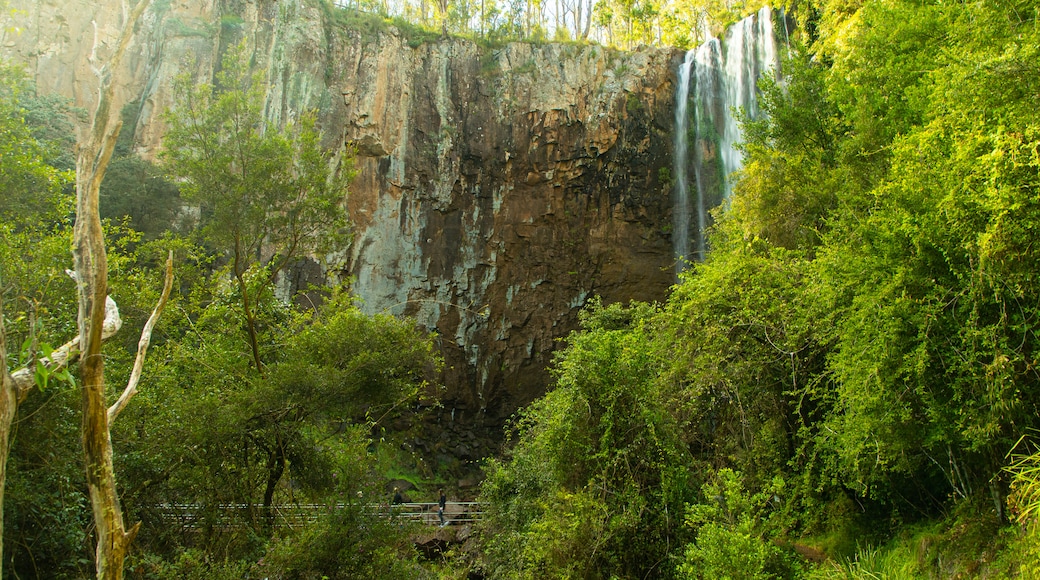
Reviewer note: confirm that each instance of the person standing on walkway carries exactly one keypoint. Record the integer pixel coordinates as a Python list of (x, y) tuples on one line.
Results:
[(441, 502)]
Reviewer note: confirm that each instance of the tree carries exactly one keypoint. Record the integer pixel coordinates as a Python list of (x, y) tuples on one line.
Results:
[(793, 173), (337, 374), (597, 479), (35, 240), (28, 183), (94, 152), (901, 160), (729, 540), (134, 190), (267, 195)]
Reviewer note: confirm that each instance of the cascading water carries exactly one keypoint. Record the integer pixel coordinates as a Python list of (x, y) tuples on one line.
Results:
[(681, 204), (719, 77)]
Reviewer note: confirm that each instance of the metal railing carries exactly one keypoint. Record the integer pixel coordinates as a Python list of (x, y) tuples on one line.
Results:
[(455, 512), (194, 516)]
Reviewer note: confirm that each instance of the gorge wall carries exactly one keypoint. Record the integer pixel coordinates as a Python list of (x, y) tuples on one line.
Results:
[(498, 189)]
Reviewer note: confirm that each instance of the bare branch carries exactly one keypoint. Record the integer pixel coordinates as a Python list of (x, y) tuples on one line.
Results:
[(142, 346), (67, 353)]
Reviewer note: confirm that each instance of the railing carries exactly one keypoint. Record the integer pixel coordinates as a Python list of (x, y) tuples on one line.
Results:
[(190, 515), (456, 513)]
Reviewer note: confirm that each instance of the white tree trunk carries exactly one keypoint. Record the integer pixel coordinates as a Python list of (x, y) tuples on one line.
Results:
[(94, 153)]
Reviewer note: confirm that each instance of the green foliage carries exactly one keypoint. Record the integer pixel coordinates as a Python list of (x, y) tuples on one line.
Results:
[(864, 328), (349, 364), (47, 517), (254, 184), (633, 105), (47, 527), (933, 339), (964, 544), (50, 118), (353, 541), (189, 564), (596, 480), (266, 195), (358, 537), (792, 177), (35, 230), (878, 76), (871, 563), (748, 352), (729, 542), (136, 189), (859, 347), (370, 25), (331, 377), (32, 188), (889, 159), (1025, 498), (621, 23), (1025, 505)]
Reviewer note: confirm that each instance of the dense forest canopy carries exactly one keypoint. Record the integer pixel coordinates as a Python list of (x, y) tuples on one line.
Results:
[(620, 23), (855, 360), (847, 387)]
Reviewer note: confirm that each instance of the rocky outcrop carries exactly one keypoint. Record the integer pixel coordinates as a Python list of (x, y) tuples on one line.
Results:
[(498, 188)]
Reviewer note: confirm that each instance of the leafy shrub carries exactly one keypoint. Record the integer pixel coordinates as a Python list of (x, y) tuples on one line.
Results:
[(730, 539), (190, 564), (722, 551), (595, 482), (353, 541)]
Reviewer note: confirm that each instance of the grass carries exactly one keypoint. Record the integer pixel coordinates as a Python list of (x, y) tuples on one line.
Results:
[(372, 24), (1025, 488), (871, 563), (1024, 548), (971, 542)]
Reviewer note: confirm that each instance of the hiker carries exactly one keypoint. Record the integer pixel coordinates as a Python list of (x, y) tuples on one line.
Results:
[(441, 502)]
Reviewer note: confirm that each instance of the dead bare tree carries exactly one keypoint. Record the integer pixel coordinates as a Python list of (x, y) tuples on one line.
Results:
[(93, 154), (98, 319)]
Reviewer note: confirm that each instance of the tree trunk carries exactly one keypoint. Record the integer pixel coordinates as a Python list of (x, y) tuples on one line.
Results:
[(588, 19), (275, 469), (247, 310), (95, 151), (8, 407), (92, 269)]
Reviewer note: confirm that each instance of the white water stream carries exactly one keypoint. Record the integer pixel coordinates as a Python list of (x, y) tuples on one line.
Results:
[(716, 79)]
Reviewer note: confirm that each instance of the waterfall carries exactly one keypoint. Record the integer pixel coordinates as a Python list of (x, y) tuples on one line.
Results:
[(719, 77), (681, 203)]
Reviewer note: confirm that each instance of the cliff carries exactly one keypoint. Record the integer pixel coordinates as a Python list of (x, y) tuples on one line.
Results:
[(498, 188)]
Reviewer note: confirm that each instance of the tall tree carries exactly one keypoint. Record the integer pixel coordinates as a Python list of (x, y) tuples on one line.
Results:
[(94, 152), (267, 196)]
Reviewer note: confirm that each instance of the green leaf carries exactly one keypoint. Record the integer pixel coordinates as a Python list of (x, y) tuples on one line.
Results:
[(41, 375)]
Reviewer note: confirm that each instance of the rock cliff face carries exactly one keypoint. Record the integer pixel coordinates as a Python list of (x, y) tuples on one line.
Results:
[(498, 189)]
